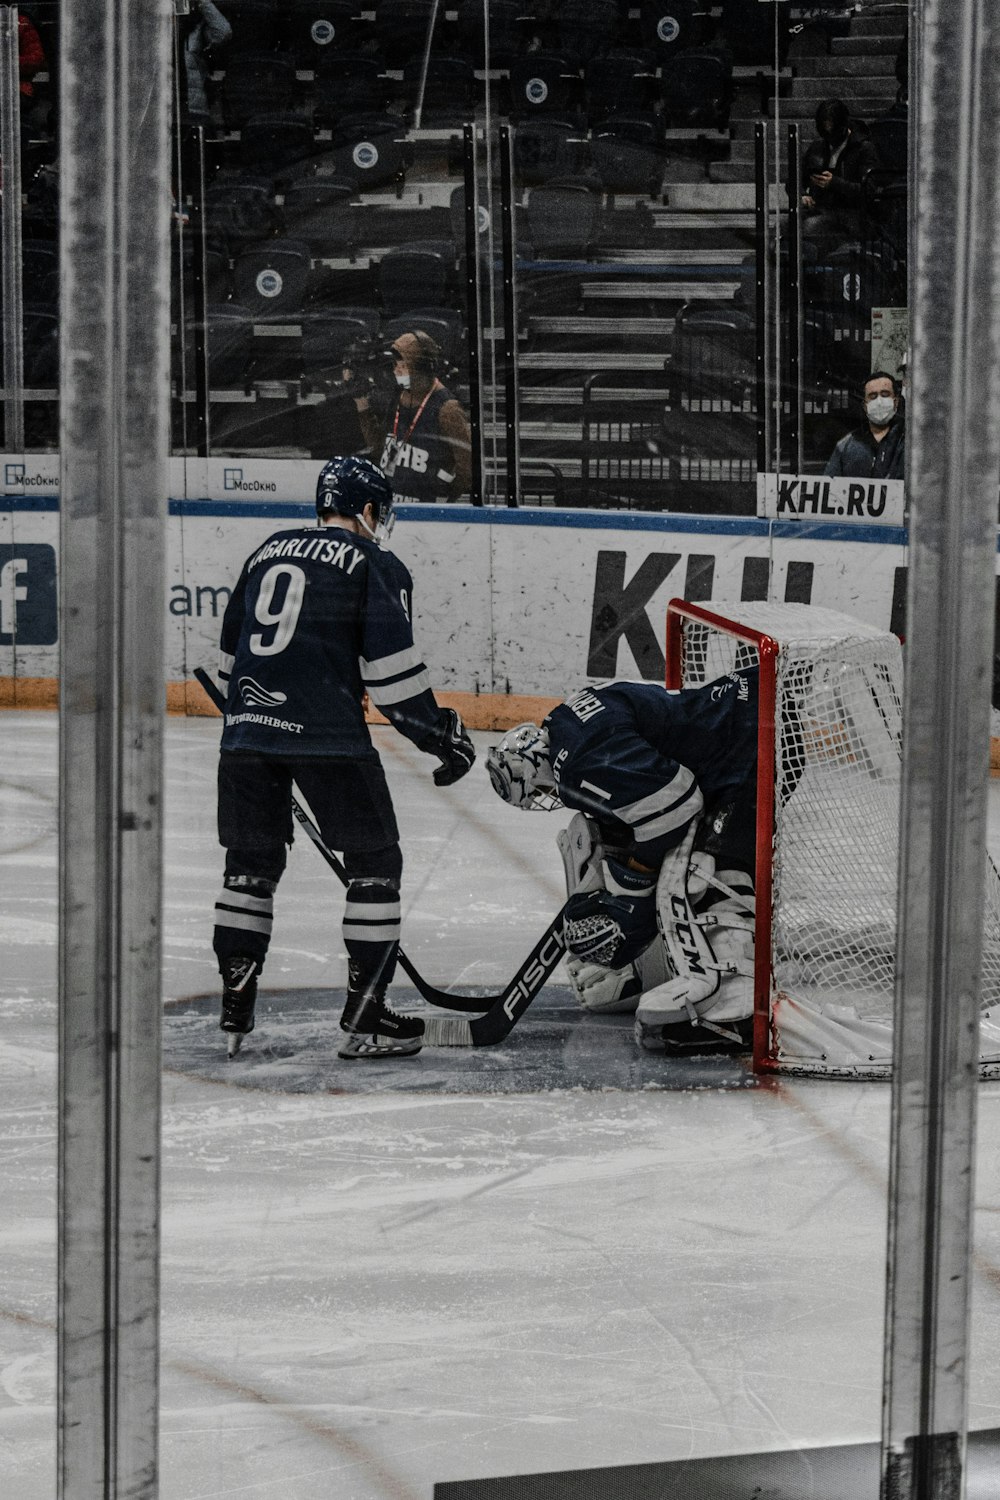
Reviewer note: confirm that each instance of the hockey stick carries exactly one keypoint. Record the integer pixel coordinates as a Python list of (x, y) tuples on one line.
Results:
[(503, 1010)]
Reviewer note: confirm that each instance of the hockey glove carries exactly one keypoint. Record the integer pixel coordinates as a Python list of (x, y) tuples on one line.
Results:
[(451, 744)]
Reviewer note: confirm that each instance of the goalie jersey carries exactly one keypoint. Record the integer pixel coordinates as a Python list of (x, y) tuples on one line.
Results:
[(643, 760), (320, 615)]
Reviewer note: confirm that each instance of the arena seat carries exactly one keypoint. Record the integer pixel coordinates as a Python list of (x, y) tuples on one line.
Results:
[(587, 27), (547, 148), (449, 91), (349, 83), (331, 339), (230, 344), (561, 219), (627, 152), (322, 29), (258, 83), (322, 211), (256, 27), (748, 28), (421, 274), (401, 28), (241, 210), (544, 83), (619, 80), (508, 31), (270, 279), (372, 149), (667, 26), (713, 357), (276, 146), (697, 89)]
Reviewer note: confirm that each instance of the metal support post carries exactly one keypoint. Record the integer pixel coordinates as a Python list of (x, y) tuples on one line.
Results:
[(763, 301), (952, 466), (473, 312), (10, 233), (115, 205), (793, 300), (509, 246)]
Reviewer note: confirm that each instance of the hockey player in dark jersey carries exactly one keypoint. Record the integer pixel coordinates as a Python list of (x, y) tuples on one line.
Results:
[(660, 857), (319, 616)]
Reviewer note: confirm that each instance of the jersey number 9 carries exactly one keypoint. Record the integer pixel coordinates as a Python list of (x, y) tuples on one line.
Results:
[(283, 620)]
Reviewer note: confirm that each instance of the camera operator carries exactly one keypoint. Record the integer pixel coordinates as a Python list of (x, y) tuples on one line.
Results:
[(422, 440)]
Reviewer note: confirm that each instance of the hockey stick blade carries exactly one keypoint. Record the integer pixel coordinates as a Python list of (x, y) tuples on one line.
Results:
[(451, 1032), (507, 1010)]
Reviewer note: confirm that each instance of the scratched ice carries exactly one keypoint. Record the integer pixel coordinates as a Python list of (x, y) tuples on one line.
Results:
[(549, 1255)]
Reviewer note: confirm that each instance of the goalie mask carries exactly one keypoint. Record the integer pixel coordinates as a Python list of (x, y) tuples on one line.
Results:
[(520, 769)]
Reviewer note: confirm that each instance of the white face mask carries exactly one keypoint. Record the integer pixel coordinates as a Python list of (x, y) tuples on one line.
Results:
[(880, 410), (403, 381)]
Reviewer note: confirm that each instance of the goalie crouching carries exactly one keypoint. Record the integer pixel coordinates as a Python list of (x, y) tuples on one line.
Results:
[(660, 856)]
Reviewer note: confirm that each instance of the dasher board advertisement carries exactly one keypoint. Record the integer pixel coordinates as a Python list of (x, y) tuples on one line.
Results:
[(814, 497)]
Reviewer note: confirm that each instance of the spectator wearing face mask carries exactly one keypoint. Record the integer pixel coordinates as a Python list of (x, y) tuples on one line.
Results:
[(874, 450), (833, 170), (422, 442)]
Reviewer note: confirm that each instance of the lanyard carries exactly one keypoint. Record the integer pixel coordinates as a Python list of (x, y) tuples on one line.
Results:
[(416, 419)]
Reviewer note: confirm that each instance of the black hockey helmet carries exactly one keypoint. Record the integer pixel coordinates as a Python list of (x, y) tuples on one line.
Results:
[(346, 485)]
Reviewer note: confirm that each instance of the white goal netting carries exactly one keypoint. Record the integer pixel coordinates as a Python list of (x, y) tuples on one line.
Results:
[(838, 737)]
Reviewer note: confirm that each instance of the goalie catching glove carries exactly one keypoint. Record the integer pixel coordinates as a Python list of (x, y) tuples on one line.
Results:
[(613, 950), (450, 742)]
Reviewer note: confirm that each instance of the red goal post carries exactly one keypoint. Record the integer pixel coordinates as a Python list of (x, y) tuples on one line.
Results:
[(828, 787)]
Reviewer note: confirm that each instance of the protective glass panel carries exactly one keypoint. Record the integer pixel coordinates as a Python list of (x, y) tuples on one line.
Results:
[(321, 222), (31, 237)]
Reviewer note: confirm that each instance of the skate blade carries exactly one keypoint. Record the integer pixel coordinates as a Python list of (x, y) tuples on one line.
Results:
[(356, 1046), (234, 1042)]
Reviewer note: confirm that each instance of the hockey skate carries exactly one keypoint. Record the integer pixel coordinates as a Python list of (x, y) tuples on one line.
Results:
[(664, 1022), (374, 1029), (239, 996)]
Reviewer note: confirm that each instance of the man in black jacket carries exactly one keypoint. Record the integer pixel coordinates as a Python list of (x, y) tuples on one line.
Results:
[(834, 170), (877, 449)]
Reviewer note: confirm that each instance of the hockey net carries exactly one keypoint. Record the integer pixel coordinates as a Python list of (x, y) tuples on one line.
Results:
[(829, 770)]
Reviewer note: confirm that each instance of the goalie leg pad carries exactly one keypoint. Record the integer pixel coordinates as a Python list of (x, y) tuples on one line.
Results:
[(692, 959)]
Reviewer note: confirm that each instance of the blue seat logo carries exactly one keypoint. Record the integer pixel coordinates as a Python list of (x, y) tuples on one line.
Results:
[(269, 283), (668, 29), (322, 33), (365, 155), (28, 601)]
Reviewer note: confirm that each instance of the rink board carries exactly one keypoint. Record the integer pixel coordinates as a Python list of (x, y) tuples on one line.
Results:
[(834, 1473), (512, 608)]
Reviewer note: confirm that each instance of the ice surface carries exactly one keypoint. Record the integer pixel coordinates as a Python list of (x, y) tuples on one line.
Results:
[(373, 1282)]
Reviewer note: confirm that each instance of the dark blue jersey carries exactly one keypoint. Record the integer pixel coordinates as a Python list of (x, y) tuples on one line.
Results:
[(649, 760), (318, 616)]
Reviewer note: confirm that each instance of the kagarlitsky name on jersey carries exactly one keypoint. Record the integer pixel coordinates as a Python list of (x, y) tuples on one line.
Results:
[(271, 723), (338, 554)]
